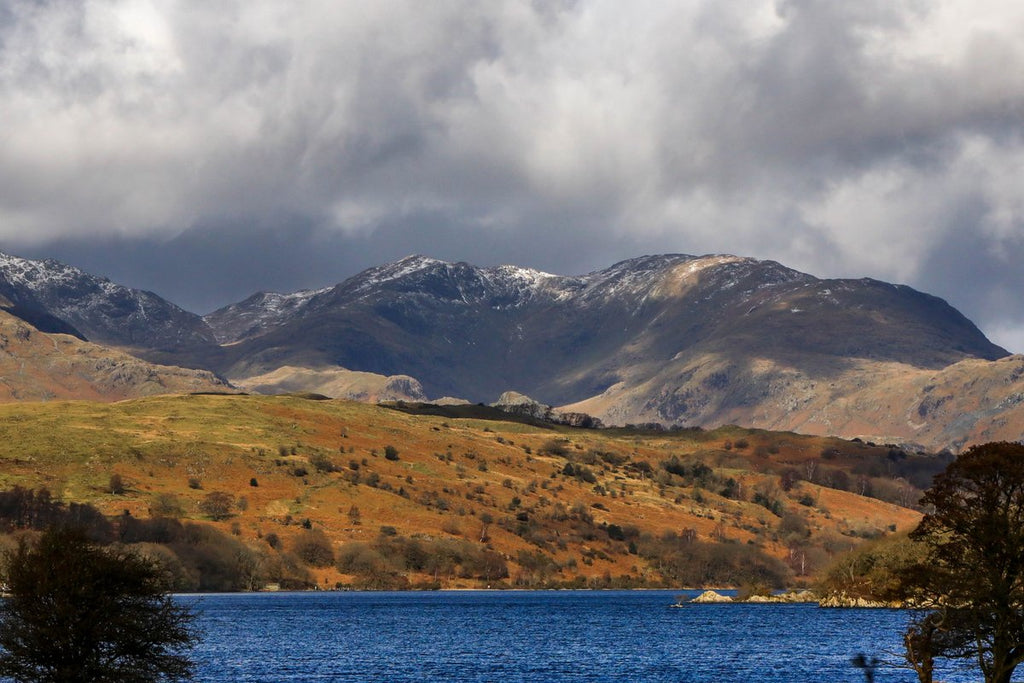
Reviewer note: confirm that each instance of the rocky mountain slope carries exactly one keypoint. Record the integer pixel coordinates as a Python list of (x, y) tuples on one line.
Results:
[(366, 387), (260, 312), (674, 339), (37, 366), (59, 298), (511, 322)]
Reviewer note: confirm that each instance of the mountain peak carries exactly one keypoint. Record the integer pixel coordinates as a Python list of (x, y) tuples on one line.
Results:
[(101, 310), (404, 266)]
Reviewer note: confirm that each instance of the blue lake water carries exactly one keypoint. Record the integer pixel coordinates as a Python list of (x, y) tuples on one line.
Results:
[(537, 636)]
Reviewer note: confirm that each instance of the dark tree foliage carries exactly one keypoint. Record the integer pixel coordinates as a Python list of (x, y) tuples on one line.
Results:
[(79, 612), (697, 473), (22, 508), (444, 558), (202, 557), (973, 574), (685, 561)]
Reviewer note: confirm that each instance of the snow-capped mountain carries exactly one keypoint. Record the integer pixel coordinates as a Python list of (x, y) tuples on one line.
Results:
[(458, 284), (669, 303), (675, 339), (670, 338), (60, 298), (258, 314)]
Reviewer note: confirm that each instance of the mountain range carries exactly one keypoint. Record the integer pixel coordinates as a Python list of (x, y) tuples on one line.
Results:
[(673, 339)]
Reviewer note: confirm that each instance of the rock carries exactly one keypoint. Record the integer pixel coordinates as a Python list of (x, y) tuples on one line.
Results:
[(581, 420), (799, 596), (449, 401), (519, 404), (711, 597), (844, 600), (789, 597)]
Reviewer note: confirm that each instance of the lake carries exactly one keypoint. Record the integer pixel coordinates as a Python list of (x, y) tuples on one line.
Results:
[(537, 636)]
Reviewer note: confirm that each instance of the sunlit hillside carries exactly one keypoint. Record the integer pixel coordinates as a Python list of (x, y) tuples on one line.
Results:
[(553, 505)]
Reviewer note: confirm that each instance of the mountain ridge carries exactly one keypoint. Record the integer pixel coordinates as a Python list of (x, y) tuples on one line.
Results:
[(671, 338), (96, 308), (640, 292)]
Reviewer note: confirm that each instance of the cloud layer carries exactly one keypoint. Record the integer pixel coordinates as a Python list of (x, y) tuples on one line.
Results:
[(873, 138)]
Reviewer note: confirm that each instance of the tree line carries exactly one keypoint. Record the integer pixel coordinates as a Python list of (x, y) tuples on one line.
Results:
[(193, 556)]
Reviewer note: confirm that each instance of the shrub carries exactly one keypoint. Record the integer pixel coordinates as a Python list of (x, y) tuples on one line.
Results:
[(357, 557), (390, 452), (321, 463), (314, 548), (793, 525), (613, 459), (217, 505), (752, 588), (116, 484), (166, 505), (559, 447)]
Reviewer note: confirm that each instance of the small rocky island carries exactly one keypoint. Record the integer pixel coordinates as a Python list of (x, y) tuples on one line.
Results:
[(710, 597), (714, 597)]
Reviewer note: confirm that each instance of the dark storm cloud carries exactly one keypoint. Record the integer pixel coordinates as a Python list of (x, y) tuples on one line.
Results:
[(207, 150)]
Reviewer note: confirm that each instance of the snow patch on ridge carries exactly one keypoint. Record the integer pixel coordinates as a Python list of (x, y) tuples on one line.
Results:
[(259, 313), (396, 271), (103, 310)]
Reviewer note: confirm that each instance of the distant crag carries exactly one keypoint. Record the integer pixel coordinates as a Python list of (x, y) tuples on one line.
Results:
[(39, 366)]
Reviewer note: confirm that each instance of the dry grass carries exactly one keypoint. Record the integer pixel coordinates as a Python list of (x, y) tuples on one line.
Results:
[(449, 474)]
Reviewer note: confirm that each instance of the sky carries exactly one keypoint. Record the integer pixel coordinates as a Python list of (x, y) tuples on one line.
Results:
[(206, 151)]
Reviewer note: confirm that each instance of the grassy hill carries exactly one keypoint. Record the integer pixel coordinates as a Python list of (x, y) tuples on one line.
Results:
[(430, 499)]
